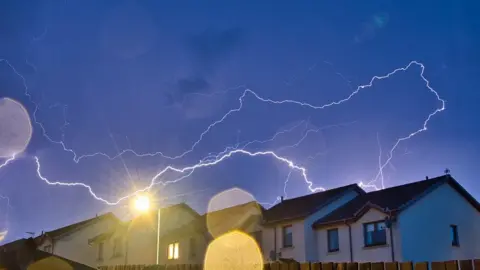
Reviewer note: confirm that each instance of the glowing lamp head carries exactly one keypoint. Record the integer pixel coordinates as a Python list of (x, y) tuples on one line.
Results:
[(142, 203)]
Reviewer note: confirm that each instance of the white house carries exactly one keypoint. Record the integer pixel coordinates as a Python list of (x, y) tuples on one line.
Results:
[(70, 241), (288, 233), (135, 241), (431, 220), (189, 243)]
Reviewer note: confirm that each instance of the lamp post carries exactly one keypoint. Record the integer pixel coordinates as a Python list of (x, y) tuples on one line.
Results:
[(142, 204)]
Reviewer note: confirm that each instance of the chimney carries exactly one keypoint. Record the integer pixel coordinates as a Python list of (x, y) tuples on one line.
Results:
[(426, 177), (281, 198)]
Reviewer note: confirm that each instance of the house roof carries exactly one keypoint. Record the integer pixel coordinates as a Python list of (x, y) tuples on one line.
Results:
[(301, 207), (67, 229), (221, 221), (394, 200), (21, 251)]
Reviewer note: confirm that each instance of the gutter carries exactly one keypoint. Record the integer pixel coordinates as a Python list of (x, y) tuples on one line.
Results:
[(350, 240)]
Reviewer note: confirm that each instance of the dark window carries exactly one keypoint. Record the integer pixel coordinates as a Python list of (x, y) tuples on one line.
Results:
[(375, 233), (454, 235), (287, 236), (193, 247), (117, 247), (100, 251), (332, 236), (48, 248)]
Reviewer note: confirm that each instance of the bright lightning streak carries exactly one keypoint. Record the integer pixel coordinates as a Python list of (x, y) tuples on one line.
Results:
[(227, 154), (425, 123), (8, 161), (189, 170)]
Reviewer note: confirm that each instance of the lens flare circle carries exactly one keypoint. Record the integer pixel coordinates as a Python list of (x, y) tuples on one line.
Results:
[(240, 209), (15, 128), (233, 250)]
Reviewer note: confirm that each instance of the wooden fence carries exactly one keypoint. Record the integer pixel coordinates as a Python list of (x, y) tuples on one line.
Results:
[(448, 265)]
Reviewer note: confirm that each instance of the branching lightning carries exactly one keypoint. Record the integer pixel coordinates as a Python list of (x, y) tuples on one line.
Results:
[(212, 160)]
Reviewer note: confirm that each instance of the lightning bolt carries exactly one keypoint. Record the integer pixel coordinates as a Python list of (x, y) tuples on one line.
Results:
[(7, 161), (208, 162), (188, 170)]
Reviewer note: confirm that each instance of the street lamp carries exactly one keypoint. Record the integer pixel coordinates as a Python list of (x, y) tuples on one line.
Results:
[(142, 204)]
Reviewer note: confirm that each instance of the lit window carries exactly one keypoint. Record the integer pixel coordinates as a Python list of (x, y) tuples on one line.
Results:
[(332, 236), (375, 233), (287, 236), (454, 235), (173, 251)]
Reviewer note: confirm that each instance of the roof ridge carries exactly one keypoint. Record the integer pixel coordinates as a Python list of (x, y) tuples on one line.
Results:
[(320, 192), (437, 178)]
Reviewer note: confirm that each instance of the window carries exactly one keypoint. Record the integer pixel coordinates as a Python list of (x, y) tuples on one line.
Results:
[(287, 236), (454, 235), (117, 246), (375, 233), (332, 236), (193, 247), (173, 251), (48, 248), (100, 251)]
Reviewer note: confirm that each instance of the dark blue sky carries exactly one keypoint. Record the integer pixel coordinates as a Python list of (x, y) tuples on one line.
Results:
[(152, 76)]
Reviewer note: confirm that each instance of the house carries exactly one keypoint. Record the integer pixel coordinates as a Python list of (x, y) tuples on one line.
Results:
[(23, 254), (287, 229), (135, 241), (71, 241), (188, 244), (431, 220)]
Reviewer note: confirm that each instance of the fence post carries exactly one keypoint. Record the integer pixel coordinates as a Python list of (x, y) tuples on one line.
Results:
[(327, 266), (305, 266), (476, 264), (451, 265), (421, 266), (275, 266), (378, 266), (406, 266), (365, 266), (466, 265), (438, 266), (316, 266)]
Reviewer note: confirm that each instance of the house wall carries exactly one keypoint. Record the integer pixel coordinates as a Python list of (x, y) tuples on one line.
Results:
[(360, 253), (140, 243), (311, 252), (74, 246), (304, 238), (184, 248), (425, 227), (376, 253)]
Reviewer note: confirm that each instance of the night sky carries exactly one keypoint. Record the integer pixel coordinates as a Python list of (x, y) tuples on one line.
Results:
[(153, 75)]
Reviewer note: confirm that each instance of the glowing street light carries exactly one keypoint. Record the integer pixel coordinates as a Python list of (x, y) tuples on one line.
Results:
[(142, 203)]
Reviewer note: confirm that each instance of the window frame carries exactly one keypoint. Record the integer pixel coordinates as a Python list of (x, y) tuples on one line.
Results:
[(47, 248), (454, 234), (284, 236), (328, 240), (101, 246), (175, 246), (117, 247), (193, 247), (375, 229)]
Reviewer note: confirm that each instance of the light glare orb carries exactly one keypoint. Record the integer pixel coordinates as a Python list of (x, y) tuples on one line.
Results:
[(15, 128), (233, 250), (142, 203)]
